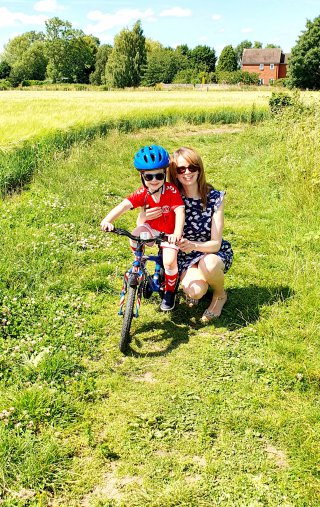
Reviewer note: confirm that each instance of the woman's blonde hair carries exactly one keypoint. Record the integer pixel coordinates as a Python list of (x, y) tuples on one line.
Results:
[(192, 158)]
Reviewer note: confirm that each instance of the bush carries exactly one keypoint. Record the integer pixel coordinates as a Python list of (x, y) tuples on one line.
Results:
[(282, 82), (33, 82), (4, 84), (279, 101), (186, 76), (237, 77)]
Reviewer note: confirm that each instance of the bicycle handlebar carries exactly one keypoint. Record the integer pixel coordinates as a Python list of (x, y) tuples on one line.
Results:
[(159, 239)]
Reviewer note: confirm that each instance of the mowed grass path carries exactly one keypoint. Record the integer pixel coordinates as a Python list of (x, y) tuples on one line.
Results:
[(225, 414)]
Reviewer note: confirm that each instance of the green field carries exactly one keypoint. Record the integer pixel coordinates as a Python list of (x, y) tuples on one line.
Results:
[(196, 416), (26, 114)]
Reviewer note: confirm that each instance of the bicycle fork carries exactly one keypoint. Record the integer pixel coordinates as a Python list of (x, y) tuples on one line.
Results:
[(133, 278)]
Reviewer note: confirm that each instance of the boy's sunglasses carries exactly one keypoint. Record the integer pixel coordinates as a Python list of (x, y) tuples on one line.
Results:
[(191, 169), (156, 176)]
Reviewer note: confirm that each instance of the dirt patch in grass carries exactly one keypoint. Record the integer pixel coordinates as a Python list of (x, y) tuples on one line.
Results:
[(277, 456), (191, 130), (111, 489)]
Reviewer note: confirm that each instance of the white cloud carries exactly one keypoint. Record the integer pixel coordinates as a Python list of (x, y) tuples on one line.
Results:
[(216, 17), (103, 22), (8, 18), (176, 12), (48, 6), (246, 30), (203, 38)]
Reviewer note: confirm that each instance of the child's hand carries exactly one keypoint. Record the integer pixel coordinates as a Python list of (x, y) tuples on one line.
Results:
[(106, 226), (153, 213)]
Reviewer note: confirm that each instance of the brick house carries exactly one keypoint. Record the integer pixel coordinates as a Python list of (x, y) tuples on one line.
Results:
[(270, 63)]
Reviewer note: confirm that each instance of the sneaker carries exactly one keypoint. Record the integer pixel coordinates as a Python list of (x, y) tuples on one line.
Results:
[(168, 301)]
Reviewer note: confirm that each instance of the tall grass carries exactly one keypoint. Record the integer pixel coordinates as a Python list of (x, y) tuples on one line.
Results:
[(298, 127), (18, 165), (26, 114)]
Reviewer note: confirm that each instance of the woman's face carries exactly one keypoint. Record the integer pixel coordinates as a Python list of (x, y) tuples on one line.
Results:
[(188, 178)]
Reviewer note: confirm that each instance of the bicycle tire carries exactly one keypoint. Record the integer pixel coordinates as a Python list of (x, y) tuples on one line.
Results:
[(147, 290), (127, 319)]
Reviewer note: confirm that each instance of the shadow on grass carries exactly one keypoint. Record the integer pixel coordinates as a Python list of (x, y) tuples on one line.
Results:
[(164, 336), (245, 303), (242, 309)]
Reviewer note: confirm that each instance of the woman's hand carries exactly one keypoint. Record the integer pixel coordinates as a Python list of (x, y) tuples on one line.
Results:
[(185, 245)]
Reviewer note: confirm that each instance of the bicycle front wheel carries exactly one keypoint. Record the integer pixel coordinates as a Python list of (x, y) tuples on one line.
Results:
[(127, 319)]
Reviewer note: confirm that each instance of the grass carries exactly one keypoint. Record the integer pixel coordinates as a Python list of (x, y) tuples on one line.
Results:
[(225, 414), (28, 114)]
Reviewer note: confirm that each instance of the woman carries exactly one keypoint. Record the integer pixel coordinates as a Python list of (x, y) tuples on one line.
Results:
[(204, 255)]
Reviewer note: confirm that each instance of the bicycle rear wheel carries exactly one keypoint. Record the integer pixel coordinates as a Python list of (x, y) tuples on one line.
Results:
[(127, 319)]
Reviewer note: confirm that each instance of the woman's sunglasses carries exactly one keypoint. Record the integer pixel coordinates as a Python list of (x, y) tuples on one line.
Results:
[(156, 176), (191, 169)]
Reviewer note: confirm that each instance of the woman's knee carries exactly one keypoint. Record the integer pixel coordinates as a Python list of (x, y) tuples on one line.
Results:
[(195, 289), (211, 264)]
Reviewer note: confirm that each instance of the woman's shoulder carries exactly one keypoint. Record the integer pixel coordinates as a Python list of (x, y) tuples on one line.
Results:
[(213, 193), (215, 198)]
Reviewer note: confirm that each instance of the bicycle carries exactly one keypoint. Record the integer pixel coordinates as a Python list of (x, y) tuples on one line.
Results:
[(137, 282)]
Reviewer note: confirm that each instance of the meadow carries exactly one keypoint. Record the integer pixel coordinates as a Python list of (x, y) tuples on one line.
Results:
[(28, 113), (225, 414)]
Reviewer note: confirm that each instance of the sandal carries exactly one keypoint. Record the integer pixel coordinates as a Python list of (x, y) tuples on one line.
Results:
[(211, 314), (190, 302)]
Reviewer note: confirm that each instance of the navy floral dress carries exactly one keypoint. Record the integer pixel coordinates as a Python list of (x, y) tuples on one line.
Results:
[(198, 228)]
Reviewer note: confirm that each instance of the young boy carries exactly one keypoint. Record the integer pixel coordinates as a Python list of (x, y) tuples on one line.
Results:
[(152, 162)]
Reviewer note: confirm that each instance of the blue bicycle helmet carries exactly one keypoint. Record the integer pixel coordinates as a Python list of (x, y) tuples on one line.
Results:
[(151, 157)]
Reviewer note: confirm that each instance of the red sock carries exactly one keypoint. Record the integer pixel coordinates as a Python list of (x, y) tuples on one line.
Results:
[(171, 281)]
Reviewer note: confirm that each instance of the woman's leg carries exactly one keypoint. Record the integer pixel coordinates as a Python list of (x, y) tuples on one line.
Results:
[(212, 268), (193, 282)]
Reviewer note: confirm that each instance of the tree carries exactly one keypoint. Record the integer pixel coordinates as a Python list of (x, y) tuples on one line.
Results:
[(152, 45), (245, 44), (82, 57), (304, 62), (162, 66), (71, 53), (183, 49), (26, 56), (272, 46), (228, 60), (98, 76), (4, 69), (203, 59), (257, 45), (58, 36), (127, 59), (15, 49), (32, 65)]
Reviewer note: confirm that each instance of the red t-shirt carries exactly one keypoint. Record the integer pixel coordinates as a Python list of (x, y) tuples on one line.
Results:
[(170, 199)]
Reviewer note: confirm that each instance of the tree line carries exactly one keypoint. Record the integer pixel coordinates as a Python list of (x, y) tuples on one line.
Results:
[(65, 54)]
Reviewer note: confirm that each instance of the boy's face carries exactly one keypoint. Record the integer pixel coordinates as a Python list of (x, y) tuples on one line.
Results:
[(157, 180)]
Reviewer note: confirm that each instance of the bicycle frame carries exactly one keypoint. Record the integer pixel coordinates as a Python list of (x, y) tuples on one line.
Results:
[(138, 272)]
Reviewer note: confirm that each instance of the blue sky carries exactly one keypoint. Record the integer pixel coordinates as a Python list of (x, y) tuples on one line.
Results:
[(214, 23)]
